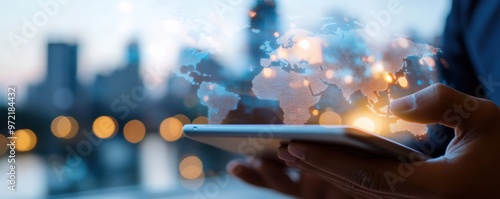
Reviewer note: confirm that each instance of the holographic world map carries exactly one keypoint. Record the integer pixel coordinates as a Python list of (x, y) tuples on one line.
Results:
[(333, 72)]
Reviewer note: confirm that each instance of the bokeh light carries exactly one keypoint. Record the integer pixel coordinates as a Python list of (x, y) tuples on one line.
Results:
[(365, 124), (191, 168), (403, 82), (105, 127), (3, 144), (26, 140), (330, 118), (268, 72), (171, 129), (304, 44), (388, 78), (315, 112), (134, 131), (64, 127), (183, 119), (348, 79), (329, 74), (200, 120)]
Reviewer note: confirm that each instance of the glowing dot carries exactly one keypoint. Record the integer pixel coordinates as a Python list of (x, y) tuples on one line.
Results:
[(267, 72), (306, 82), (430, 61), (403, 42), (282, 53), (125, 6), (183, 119), (348, 79), (26, 140), (105, 127), (304, 44), (276, 34), (134, 131), (171, 129), (403, 82), (329, 74), (211, 87), (200, 120), (330, 118), (205, 98), (315, 112), (64, 127), (3, 144), (388, 78), (365, 123), (252, 14), (274, 57), (378, 67), (370, 59), (191, 168)]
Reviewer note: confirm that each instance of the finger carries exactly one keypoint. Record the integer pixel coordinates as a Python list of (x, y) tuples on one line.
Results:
[(441, 104), (311, 186), (265, 174), (378, 176), (276, 177), (349, 189), (246, 173)]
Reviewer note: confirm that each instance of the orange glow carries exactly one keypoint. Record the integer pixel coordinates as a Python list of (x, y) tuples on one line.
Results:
[(274, 57), (64, 127), (330, 118), (252, 14), (306, 82), (171, 129), (329, 74), (267, 72), (134, 131), (348, 79), (388, 78), (200, 120), (403, 82), (26, 140), (183, 119), (276, 34), (105, 127), (430, 61), (370, 59), (191, 168), (315, 112), (365, 123)]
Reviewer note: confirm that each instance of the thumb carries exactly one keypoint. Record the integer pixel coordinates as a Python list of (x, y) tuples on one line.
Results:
[(441, 104)]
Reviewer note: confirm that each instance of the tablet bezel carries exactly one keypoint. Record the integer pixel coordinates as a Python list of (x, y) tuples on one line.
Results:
[(263, 140)]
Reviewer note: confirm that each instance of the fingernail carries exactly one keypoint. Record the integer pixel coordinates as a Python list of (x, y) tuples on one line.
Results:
[(297, 152), (402, 104), (284, 155), (235, 169)]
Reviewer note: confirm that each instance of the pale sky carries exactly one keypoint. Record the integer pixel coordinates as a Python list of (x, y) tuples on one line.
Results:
[(102, 29)]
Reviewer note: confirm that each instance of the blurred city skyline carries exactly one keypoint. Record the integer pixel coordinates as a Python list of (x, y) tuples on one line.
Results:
[(160, 28)]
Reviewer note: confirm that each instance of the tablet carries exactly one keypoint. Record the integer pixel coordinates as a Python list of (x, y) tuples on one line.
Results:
[(263, 140)]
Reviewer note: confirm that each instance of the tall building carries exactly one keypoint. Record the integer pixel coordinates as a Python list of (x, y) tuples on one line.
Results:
[(56, 94), (116, 93)]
